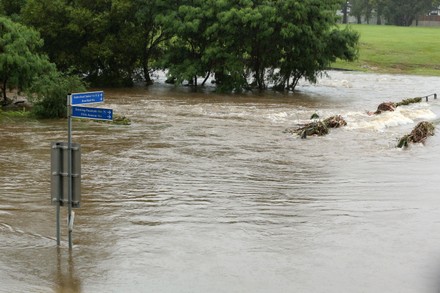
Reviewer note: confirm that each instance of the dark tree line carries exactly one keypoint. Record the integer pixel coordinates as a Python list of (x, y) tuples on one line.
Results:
[(394, 12), (240, 43)]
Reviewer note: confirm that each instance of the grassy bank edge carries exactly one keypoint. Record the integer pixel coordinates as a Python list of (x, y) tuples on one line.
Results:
[(395, 50)]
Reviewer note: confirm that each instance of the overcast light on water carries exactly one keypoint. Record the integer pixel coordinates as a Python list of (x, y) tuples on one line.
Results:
[(205, 192)]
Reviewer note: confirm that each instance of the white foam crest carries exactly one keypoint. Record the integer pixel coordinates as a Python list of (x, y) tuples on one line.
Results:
[(278, 117), (401, 116), (336, 83)]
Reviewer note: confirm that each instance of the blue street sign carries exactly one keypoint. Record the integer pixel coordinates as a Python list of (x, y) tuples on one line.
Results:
[(92, 113), (86, 98)]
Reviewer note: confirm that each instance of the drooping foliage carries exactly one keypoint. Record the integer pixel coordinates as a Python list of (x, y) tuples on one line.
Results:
[(240, 43), (20, 60), (108, 40), (49, 94), (252, 43)]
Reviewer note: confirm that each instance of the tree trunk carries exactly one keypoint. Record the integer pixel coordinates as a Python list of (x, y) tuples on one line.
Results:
[(145, 68), (206, 78), (4, 100), (345, 12)]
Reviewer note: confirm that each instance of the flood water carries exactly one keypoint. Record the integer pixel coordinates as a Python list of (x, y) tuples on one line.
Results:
[(206, 193)]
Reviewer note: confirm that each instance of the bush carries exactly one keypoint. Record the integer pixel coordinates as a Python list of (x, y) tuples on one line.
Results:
[(49, 94)]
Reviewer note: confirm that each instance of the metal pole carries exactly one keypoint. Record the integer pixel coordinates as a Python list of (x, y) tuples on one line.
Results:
[(69, 168), (58, 220)]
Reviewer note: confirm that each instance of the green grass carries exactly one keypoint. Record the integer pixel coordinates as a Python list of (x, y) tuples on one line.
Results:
[(14, 115), (392, 49)]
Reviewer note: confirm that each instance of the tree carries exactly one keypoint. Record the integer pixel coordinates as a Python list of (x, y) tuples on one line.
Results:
[(252, 43), (48, 94), (345, 11), (361, 8), (20, 60), (378, 6), (404, 12), (310, 41), (11, 8), (107, 41), (150, 32), (187, 54)]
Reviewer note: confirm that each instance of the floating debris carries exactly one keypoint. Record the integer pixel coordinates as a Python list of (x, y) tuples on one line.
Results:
[(121, 120), (318, 128), (384, 107), (314, 116), (314, 128), (118, 119), (406, 102), (335, 121), (418, 135), (391, 106)]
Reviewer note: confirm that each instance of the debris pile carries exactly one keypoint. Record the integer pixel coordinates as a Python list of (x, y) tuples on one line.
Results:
[(405, 102), (121, 120), (391, 106), (335, 121), (318, 128), (418, 135)]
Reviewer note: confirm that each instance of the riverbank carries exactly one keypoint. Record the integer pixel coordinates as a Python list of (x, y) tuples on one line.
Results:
[(396, 50)]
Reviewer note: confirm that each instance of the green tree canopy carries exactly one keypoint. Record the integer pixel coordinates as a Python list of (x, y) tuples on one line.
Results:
[(11, 8), (252, 43), (107, 41), (20, 59), (242, 43), (404, 12), (396, 12)]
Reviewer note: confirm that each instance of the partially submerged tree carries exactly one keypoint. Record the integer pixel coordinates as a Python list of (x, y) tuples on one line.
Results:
[(49, 94), (107, 41), (20, 59), (253, 43)]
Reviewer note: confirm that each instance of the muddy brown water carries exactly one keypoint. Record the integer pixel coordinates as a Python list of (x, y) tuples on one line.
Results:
[(205, 193)]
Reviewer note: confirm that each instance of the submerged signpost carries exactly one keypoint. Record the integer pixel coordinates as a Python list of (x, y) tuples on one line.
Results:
[(66, 158)]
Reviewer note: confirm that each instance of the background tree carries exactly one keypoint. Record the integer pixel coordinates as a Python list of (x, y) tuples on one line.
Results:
[(20, 59), (378, 6), (362, 8), (404, 12), (11, 8), (107, 41), (396, 12)]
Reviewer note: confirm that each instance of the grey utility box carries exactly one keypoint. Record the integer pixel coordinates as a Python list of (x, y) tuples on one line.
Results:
[(60, 174)]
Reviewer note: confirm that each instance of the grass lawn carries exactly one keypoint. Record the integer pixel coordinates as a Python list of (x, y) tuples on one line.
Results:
[(393, 49)]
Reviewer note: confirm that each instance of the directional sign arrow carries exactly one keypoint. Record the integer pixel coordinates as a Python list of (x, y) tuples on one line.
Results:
[(92, 113), (87, 98)]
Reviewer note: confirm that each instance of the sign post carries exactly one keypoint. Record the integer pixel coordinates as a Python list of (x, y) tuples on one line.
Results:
[(69, 172), (63, 166)]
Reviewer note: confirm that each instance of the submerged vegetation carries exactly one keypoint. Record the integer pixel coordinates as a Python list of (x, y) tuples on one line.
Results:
[(13, 115), (318, 128), (419, 134), (391, 106)]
